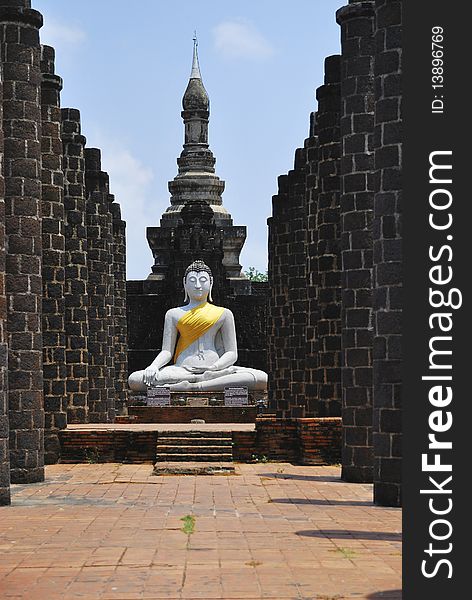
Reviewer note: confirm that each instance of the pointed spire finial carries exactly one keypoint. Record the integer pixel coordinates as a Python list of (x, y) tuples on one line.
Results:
[(195, 74)]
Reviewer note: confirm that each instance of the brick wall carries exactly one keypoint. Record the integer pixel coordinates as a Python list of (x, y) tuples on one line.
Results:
[(306, 441)]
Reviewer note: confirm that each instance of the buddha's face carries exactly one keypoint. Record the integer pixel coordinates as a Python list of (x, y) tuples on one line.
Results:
[(197, 285)]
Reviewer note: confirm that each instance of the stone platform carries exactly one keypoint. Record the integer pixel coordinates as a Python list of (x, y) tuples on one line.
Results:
[(197, 399), (185, 414), (311, 441)]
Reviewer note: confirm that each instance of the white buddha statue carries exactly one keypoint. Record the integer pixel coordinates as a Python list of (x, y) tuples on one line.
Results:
[(201, 339)]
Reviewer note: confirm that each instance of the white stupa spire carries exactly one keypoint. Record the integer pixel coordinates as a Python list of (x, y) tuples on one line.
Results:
[(195, 74)]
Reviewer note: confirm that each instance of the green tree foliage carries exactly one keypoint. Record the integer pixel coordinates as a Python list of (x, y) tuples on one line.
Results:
[(254, 275)]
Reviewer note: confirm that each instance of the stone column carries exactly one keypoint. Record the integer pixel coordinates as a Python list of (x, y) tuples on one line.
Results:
[(20, 55), (297, 292), (387, 255), (278, 360), (120, 344), (100, 309), (328, 326), (4, 428), (52, 191), (312, 347), (357, 197), (76, 272)]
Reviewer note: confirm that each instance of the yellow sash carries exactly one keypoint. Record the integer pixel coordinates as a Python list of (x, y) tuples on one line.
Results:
[(195, 323)]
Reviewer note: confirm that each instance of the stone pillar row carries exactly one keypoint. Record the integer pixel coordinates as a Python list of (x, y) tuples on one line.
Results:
[(349, 229), (62, 263)]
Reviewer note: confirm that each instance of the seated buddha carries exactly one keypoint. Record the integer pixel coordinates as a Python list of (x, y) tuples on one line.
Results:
[(200, 338)]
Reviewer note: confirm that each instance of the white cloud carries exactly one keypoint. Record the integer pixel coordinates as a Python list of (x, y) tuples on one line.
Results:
[(54, 33), (130, 182), (241, 39)]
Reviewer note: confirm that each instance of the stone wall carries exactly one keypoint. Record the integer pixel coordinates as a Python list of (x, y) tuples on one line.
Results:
[(45, 262), (352, 245)]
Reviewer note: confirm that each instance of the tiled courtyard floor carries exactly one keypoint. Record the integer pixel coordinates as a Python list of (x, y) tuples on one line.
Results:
[(273, 531)]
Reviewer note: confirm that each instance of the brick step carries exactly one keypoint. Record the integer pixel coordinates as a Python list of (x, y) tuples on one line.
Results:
[(196, 434), (221, 457), (194, 441), (171, 449)]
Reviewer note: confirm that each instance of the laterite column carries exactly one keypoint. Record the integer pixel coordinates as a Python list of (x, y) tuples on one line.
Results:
[(120, 344), (54, 340), (356, 207), (101, 396), (387, 255), (76, 271), (312, 279), (4, 428), (20, 56), (328, 327)]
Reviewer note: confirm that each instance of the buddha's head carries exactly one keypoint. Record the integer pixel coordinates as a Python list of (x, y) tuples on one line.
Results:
[(198, 282)]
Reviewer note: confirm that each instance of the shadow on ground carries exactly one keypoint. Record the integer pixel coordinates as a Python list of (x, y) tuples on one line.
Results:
[(318, 502), (330, 478), (341, 534), (388, 595)]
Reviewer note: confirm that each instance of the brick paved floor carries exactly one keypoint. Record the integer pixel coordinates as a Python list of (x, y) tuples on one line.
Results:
[(273, 531)]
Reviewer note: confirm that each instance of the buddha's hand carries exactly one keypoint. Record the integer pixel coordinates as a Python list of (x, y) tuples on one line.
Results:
[(150, 375)]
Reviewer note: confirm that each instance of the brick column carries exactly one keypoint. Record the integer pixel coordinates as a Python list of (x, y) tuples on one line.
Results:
[(101, 392), (4, 428), (328, 327), (52, 191), (278, 326), (20, 55), (387, 255), (288, 305), (76, 272), (357, 196), (312, 279), (297, 290), (120, 344)]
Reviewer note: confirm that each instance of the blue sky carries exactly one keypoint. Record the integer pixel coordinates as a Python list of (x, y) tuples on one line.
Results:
[(126, 65)]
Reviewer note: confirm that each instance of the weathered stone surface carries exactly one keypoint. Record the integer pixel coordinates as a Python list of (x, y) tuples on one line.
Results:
[(387, 236), (101, 368), (20, 57), (76, 269), (4, 425), (53, 267), (356, 207)]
